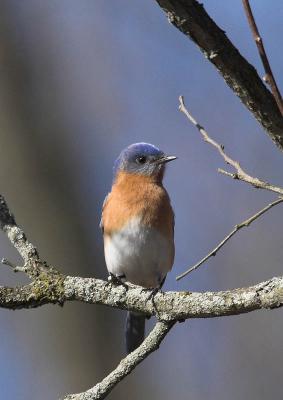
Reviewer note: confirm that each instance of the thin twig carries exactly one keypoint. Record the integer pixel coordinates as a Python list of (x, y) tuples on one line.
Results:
[(269, 77), (243, 224), (14, 267), (240, 173), (126, 366)]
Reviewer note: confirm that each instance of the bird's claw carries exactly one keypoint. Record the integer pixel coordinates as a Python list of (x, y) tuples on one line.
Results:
[(117, 280), (153, 293)]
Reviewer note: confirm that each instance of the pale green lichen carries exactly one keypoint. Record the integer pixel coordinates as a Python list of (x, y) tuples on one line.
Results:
[(48, 286)]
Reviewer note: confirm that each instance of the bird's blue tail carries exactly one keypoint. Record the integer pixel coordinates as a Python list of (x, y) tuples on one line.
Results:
[(135, 324)]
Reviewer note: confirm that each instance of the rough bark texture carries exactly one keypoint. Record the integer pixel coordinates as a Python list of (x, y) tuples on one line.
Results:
[(190, 18), (170, 306)]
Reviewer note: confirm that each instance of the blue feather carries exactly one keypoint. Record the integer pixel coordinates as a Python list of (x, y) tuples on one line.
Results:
[(127, 159)]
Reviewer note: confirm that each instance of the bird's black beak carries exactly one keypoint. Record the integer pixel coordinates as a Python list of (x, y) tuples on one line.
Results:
[(165, 159)]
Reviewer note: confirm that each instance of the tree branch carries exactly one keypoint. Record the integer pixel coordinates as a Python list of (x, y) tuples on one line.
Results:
[(238, 227), (191, 19), (50, 286), (240, 173), (167, 306), (126, 366), (269, 77), (16, 236)]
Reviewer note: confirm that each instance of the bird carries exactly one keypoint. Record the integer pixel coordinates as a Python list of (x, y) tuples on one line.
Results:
[(138, 226)]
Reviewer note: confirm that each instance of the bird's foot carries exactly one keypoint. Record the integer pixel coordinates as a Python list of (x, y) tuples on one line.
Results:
[(153, 292), (117, 280)]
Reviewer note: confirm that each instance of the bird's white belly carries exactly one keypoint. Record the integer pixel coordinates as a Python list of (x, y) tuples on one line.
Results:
[(140, 253)]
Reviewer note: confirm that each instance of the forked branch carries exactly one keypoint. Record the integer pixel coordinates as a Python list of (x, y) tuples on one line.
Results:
[(240, 173)]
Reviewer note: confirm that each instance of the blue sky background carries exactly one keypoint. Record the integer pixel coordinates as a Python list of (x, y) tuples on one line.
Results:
[(80, 80)]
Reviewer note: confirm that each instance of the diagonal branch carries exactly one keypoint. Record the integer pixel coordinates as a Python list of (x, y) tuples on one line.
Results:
[(269, 77), (126, 366), (240, 173), (243, 224), (190, 18)]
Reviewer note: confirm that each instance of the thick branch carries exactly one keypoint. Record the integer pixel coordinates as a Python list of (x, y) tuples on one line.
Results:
[(50, 286), (191, 19), (125, 367), (167, 306)]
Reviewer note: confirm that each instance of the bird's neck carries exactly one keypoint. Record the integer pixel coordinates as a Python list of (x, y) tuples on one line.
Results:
[(131, 180)]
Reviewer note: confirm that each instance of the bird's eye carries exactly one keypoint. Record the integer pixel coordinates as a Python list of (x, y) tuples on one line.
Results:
[(141, 159)]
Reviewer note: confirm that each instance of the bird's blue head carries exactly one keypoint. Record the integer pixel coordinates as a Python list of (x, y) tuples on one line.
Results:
[(143, 159)]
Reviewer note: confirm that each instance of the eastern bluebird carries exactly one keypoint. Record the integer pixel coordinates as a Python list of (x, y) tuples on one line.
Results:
[(138, 226)]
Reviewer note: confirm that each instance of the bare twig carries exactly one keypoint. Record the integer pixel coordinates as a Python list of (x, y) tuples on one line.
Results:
[(126, 366), (269, 77), (14, 267), (191, 18), (243, 224), (240, 173)]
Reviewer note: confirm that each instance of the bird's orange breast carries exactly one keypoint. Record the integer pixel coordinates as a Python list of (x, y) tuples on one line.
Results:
[(135, 195)]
